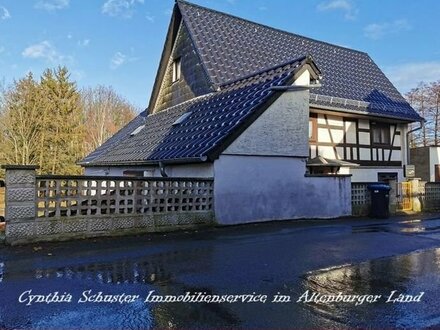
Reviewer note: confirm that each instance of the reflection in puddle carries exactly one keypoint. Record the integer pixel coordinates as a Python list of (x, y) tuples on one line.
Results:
[(410, 226), (408, 275), (411, 221), (137, 275)]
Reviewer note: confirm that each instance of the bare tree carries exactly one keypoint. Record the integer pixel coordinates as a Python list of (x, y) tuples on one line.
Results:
[(105, 112), (425, 100), (434, 97), (20, 122)]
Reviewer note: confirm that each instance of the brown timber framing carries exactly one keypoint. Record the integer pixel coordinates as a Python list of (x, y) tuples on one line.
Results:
[(345, 140), (329, 128), (349, 148), (392, 141)]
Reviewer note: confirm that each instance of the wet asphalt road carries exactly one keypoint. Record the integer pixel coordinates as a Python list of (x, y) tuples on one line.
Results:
[(351, 257)]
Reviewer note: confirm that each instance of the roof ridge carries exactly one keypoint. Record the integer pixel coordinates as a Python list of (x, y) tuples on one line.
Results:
[(234, 81), (267, 26), (194, 99)]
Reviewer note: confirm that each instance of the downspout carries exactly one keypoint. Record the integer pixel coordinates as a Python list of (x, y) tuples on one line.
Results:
[(408, 157), (162, 170)]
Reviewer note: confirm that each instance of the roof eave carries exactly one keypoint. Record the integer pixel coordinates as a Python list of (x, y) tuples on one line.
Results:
[(173, 27), (188, 160), (365, 113)]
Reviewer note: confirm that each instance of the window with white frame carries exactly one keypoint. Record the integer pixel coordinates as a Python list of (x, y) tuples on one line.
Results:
[(176, 69), (380, 133)]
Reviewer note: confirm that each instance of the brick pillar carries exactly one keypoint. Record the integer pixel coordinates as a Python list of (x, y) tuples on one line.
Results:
[(20, 200), (415, 198), (393, 196)]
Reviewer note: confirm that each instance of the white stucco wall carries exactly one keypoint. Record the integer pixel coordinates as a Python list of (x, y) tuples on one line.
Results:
[(254, 189), (282, 130), (205, 170), (261, 175), (370, 174)]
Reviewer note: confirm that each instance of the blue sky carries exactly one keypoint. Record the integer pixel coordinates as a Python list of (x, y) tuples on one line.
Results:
[(119, 42)]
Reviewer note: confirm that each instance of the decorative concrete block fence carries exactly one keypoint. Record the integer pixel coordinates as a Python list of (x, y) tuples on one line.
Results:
[(45, 208), (416, 197), (431, 196)]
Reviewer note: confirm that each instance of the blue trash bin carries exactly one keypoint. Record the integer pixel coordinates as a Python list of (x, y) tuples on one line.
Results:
[(380, 200)]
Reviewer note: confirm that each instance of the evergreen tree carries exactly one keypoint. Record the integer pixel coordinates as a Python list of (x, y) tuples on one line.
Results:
[(51, 124), (63, 129)]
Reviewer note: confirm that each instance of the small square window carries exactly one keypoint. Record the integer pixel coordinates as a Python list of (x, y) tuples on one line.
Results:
[(381, 133), (176, 70)]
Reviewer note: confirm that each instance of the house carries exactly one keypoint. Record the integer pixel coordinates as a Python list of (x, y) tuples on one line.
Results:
[(251, 105), (427, 163)]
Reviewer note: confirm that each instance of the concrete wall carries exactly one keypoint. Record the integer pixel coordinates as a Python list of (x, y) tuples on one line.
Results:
[(203, 170), (425, 159), (420, 158), (253, 189)]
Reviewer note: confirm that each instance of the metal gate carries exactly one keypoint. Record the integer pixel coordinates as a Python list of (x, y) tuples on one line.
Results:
[(404, 196)]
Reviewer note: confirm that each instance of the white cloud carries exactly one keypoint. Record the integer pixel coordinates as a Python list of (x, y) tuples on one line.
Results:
[(4, 13), (376, 31), (46, 51), (349, 9), (117, 60), (69, 36), (120, 8), (84, 43), (52, 5), (262, 8), (150, 18), (408, 75), (168, 12)]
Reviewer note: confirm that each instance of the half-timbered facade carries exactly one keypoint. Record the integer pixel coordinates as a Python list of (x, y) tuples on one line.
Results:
[(378, 146)]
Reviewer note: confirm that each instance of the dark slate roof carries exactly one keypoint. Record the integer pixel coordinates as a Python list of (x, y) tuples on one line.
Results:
[(237, 54), (320, 161), (231, 47), (214, 118)]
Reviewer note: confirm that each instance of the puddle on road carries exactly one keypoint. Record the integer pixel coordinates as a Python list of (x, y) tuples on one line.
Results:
[(407, 274), (130, 276), (403, 227), (192, 269)]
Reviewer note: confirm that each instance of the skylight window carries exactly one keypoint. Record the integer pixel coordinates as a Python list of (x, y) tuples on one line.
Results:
[(182, 118), (137, 130)]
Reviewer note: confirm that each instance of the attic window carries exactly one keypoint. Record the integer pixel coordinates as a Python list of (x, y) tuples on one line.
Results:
[(182, 118), (176, 69), (137, 130)]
